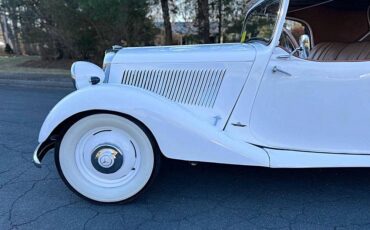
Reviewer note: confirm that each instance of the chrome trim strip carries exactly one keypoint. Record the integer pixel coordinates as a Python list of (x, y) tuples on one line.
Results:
[(36, 160), (42, 149)]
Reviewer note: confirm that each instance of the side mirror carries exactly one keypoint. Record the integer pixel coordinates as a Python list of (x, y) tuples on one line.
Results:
[(299, 49), (290, 55), (305, 44), (86, 74)]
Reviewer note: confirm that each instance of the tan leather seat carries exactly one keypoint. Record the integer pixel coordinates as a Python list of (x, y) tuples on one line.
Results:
[(336, 51), (326, 51), (355, 52)]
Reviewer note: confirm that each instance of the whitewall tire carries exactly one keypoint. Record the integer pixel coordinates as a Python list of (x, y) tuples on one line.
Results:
[(107, 158)]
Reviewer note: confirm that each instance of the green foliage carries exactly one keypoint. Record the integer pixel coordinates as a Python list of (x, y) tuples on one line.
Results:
[(84, 29), (81, 28)]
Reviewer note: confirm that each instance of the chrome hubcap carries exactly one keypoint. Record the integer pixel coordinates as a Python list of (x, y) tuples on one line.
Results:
[(107, 159)]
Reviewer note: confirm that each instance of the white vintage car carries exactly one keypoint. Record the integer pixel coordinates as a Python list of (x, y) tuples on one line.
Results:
[(295, 93)]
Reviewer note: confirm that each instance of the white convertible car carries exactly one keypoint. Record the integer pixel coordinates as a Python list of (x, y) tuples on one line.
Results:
[(295, 93)]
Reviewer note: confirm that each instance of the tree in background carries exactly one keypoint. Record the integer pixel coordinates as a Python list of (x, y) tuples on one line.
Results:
[(227, 14), (10, 23), (83, 29), (203, 20), (219, 11), (166, 22), (234, 15), (80, 29)]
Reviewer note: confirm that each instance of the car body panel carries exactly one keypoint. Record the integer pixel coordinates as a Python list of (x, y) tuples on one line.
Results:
[(180, 135), (190, 83), (243, 108), (321, 107)]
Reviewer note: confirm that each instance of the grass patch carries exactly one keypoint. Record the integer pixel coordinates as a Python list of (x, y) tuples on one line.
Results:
[(30, 64)]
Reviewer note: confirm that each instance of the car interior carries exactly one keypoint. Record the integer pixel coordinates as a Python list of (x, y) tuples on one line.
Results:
[(331, 30)]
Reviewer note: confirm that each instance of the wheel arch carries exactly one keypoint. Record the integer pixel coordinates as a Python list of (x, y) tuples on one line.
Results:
[(60, 129)]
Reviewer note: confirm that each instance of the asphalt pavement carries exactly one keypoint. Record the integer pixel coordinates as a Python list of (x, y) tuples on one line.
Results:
[(208, 196), (36, 80)]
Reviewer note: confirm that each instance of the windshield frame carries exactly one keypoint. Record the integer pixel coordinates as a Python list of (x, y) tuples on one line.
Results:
[(275, 31)]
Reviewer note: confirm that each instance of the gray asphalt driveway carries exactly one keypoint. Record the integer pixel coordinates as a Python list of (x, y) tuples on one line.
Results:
[(183, 197)]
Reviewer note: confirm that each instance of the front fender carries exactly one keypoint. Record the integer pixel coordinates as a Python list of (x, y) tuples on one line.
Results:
[(178, 132)]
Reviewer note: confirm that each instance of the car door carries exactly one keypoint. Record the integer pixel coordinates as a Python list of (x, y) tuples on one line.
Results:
[(313, 106)]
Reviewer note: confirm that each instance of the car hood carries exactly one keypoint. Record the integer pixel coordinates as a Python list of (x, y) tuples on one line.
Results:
[(235, 52)]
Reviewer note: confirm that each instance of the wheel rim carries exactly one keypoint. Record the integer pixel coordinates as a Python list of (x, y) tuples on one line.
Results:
[(107, 141), (106, 158)]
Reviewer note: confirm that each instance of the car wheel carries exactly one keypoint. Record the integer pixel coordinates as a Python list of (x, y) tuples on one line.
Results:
[(107, 158)]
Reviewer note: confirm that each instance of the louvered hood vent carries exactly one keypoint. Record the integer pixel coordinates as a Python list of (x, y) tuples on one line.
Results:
[(191, 87)]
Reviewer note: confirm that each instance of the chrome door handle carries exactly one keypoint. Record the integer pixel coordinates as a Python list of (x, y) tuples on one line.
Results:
[(238, 124), (285, 56), (277, 69)]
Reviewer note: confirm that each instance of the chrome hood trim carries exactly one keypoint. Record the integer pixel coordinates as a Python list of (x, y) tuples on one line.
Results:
[(233, 52)]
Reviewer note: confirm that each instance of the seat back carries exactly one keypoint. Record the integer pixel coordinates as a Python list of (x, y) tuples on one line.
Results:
[(355, 52), (336, 51)]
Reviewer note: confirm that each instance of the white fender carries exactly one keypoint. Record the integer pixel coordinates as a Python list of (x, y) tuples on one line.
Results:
[(179, 134)]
